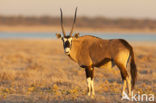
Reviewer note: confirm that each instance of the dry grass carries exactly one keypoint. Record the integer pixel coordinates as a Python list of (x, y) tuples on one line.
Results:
[(38, 71)]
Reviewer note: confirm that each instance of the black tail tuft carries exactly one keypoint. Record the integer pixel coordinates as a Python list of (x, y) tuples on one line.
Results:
[(133, 69)]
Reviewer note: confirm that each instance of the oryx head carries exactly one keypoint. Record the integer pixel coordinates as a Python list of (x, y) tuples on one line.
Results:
[(67, 39)]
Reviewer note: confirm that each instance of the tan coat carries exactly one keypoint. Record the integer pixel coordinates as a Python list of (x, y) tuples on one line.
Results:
[(89, 50)]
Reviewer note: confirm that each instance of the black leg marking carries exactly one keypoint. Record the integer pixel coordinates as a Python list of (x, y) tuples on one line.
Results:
[(89, 72), (123, 71), (90, 75)]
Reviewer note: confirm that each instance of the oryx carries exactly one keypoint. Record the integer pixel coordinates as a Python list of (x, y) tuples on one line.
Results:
[(90, 51)]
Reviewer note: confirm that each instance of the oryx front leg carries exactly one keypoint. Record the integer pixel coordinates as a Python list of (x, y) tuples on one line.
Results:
[(89, 85), (90, 75), (92, 87)]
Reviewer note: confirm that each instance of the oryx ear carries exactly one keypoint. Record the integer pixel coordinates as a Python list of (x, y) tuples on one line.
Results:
[(76, 35), (58, 35)]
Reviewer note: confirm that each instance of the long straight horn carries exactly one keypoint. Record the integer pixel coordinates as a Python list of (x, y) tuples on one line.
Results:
[(62, 23), (73, 22)]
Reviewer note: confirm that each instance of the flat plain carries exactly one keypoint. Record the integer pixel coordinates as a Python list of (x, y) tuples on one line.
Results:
[(34, 70)]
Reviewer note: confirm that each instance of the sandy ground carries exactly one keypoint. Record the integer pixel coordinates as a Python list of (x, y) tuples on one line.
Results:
[(22, 28), (38, 71)]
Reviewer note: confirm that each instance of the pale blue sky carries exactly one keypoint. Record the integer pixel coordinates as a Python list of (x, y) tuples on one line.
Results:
[(91, 8)]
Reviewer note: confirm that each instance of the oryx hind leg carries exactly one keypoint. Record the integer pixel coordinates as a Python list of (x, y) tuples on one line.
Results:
[(124, 75), (90, 76), (121, 62), (128, 79)]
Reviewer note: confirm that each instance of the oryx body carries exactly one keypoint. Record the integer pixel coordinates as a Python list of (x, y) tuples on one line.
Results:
[(90, 51)]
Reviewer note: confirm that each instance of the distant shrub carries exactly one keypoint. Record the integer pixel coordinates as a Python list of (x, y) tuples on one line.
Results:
[(97, 22)]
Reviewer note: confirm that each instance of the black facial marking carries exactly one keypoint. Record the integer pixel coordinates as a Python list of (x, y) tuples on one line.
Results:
[(67, 37), (67, 44)]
